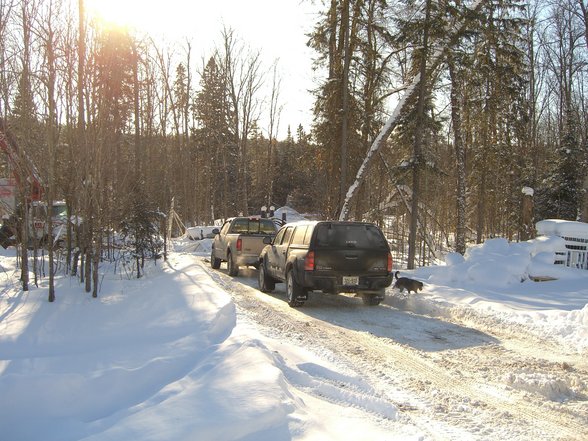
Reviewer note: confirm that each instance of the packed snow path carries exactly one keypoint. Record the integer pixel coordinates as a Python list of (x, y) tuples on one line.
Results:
[(450, 380)]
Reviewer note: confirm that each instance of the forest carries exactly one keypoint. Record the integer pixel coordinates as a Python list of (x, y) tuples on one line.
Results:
[(473, 112)]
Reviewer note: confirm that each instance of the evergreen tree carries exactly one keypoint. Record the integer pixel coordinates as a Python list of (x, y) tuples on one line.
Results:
[(181, 95), (561, 193), (139, 229), (488, 83), (349, 41), (212, 140)]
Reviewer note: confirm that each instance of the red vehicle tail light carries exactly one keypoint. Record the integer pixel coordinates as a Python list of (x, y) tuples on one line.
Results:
[(389, 262), (239, 244), (309, 261)]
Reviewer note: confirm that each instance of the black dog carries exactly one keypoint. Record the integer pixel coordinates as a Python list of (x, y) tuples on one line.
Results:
[(403, 283)]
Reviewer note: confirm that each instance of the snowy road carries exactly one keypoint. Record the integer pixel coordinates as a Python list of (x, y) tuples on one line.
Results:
[(450, 380)]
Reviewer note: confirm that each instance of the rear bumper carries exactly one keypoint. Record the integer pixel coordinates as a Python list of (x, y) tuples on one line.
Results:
[(247, 259), (332, 284)]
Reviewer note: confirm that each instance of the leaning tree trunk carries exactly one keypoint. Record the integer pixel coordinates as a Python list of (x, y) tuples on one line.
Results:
[(452, 32)]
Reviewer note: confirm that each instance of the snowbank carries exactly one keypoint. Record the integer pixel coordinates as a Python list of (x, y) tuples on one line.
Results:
[(161, 358), (562, 228), (291, 214), (200, 232), (494, 281), (86, 365), (498, 263)]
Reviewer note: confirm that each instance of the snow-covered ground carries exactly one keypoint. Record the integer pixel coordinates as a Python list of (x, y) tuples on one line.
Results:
[(493, 281), (165, 357)]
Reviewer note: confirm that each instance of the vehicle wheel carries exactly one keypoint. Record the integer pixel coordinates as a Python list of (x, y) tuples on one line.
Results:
[(266, 283), (294, 290), (232, 265), (214, 262)]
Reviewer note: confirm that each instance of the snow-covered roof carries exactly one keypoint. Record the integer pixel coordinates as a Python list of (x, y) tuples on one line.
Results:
[(562, 228), (291, 214)]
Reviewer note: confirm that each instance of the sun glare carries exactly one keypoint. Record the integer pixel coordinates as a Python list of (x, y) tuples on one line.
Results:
[(123, 13), (152, 17)]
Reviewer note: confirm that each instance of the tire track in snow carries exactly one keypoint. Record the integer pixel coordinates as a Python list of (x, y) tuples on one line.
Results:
[(350, 391), (453, 397)]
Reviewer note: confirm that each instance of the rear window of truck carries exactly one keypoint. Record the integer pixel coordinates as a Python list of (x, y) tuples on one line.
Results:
[(254, 226), (349, 236)]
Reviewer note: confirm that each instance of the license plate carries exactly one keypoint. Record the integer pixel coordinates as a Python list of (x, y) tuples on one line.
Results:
[(350, 280)]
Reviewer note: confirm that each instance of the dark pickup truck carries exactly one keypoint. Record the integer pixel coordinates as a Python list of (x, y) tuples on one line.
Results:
[(331, 256)]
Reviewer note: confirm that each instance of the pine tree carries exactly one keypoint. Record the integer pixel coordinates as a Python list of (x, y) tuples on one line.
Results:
[(212, 140), (139, 229), (561, 193), (488, 75), (348, 104)]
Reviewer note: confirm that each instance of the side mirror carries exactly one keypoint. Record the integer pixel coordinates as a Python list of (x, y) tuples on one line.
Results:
[(215, 231), (267, 240)]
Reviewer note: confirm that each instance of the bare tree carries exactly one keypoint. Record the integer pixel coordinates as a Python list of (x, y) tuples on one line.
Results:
[(6, 10), (48, 36), (24, 109), (244, 79), (274, 125), (583, 14), (563, 48)]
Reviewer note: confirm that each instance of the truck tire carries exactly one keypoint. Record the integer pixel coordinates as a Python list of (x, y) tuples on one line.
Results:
[(266, 283), (294, 290), (215, 262), (232, 266)]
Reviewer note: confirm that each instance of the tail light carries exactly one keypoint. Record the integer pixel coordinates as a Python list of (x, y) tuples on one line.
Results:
[(389, 262), (309, 261), (239, 244)]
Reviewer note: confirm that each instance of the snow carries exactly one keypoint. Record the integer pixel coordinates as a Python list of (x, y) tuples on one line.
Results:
[(562, 228), (290, 214), (494, 279), (157, 358), (528, 191), (200, 232), (549, 386), (165, 357)]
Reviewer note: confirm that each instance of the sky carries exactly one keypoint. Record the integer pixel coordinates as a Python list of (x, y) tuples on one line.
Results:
[(170, 356), (276, 28)]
